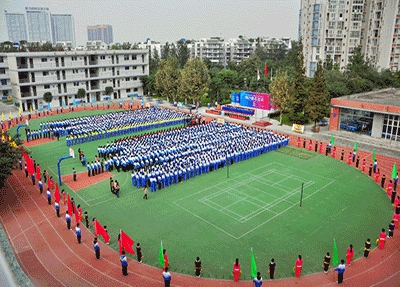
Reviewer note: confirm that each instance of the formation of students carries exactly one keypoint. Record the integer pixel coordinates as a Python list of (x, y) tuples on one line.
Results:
[(161, 159)]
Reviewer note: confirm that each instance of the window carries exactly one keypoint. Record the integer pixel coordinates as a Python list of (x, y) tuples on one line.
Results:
[(126, 58), (128, 90), (126, 67), (44, 60), (47, 87), (104, 81), (74, 58), (2, 71), (134, 68), (134, 78), (133, 57), (104, 69), (45, 73), (135, 89), (76, 84), (127, 79), (4, 82), (391, 127), (1, 59), (102, 57)]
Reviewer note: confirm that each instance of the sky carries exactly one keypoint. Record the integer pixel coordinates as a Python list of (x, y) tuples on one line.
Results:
[(171, 20)]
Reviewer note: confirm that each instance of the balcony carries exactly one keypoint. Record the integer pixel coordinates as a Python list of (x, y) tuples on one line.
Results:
[(24, 80)]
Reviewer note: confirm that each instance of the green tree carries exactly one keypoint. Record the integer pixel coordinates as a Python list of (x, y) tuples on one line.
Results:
[(148, 84), (154, 60), (173, 52), (165, 52), (317, 105), (166, 79), (282, 90), (10, 154), (47, 97), (183, 53), (328, 64), (81, 93), (297, 112), (221, 85), (193, 81), (108, 90), (336, 83), (126, 46)]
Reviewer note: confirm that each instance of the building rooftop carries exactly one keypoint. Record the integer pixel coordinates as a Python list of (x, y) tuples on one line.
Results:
[(387, 97)]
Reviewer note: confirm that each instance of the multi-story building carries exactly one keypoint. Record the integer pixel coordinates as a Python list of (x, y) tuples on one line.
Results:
[(16, 27), (151, 45), (5, 84), (333, 28), (63, 73), (221, 51), (63, 28), (38, 23), (381, 34), (100, 32)]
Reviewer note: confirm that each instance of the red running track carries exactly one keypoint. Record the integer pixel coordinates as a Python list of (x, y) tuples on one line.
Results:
[(50, 255)]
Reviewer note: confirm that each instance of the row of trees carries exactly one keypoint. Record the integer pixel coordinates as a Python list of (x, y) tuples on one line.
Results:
[(48, 97)]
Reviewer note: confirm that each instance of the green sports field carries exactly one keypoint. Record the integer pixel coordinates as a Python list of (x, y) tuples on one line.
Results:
[(219, 216)]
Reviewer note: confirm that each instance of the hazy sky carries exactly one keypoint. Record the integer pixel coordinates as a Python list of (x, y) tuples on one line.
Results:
[(171, 20)]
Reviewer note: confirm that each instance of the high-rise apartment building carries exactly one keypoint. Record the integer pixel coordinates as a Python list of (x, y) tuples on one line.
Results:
[(38, 23), (100, 32), (63, 28), (16, 26), (333, 28)]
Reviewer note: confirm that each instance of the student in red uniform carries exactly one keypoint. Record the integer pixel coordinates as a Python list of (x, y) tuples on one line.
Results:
[(334, 152), (363, 165), (382, 239), (390, 188), (350, 254), (64, 195), (320, 147), (166, 260), (236, 271), (378, 172), (349, 158), (310, 145), (298, 142), (298, 265)]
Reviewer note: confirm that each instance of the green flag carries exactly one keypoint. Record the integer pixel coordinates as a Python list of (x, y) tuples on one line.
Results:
[(253, 271), (332, 140), (373, 156), (335, 257), (355, 148), (394, 171), (161, 256)]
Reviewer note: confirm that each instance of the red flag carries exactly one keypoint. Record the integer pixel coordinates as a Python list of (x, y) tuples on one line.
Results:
[(31, 168), (119, 243), (57, 195), (38, 172), (77, 216), (99, 230), (69, 206), (26, 157), (127, 243), (266, 70)]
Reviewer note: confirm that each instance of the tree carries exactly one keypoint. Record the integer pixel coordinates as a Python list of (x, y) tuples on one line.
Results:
[(126, 46), (193, 81), (297, 113), (173, 52), (10, 154), (167, 78), (47, 97), (81, 93), (183, 53), (328, 64), (282, 89), (108, 90), (165, 52), (154, 60), (148, 84), (317, 105)]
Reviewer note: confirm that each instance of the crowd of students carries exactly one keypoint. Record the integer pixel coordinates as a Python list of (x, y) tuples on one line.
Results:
[(90, 128), (164, 158)]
